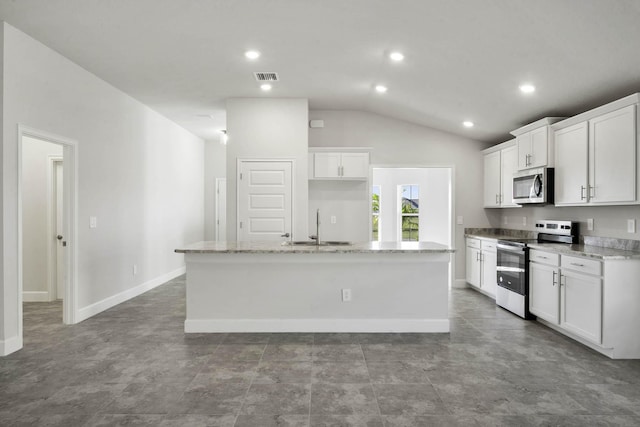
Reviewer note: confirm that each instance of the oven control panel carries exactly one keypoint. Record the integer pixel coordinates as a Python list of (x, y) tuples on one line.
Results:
[(566, 228)]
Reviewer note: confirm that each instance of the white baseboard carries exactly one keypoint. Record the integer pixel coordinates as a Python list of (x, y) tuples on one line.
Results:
[(460, 284), (35, 296), (316, 325), (11, 345), (100, 306)]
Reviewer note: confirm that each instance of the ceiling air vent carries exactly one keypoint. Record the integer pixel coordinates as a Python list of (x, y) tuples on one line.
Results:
[(266, 77)]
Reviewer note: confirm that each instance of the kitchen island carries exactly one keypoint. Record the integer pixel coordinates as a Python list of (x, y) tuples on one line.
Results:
[(362, 287)]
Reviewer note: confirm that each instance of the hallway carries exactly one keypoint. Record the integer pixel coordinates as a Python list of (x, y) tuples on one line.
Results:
[(133, 365)]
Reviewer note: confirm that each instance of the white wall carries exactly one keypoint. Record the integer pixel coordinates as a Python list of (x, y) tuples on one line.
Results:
[(348, 201), (434, 198), (400, 144), (35, 182), (269, 128), (215, 166), (139, 174)]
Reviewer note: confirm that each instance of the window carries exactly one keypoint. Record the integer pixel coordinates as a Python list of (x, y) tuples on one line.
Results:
[(409, 211), (375, 213)]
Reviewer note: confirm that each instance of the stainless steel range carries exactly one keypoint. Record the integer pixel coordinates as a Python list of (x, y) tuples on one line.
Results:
[(512, 292)]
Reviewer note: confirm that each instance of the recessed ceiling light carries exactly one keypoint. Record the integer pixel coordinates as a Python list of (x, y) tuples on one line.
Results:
[(467, 124), (527, 88), (381, 89), (265, 87), (252, 54), (396, 56)]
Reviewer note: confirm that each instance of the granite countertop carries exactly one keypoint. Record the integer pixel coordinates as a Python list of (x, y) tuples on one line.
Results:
[(597, 252), (590, 251), (210, 247)]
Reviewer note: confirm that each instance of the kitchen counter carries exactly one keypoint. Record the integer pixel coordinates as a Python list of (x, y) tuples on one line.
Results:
[(589, 251), (363, 287), (209, 247)]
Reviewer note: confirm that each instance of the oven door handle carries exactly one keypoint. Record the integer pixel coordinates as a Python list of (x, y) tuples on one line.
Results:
[(510, 248)]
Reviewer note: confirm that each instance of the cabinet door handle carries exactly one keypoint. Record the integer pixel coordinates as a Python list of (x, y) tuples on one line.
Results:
[(554, 278), (497, 202), (582, 188), (592, 192), (565, 279)]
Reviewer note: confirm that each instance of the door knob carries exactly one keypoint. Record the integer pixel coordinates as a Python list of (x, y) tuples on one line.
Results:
[(285, 235), (59, 237)]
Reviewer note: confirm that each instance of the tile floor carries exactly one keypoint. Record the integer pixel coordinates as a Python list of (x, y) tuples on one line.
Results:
[(133, 365)]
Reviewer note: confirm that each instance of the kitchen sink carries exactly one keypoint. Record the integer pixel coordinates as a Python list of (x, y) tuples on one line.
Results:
[(313, 243)]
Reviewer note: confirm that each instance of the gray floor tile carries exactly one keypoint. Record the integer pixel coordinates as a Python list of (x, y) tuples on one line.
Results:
[(346, 421), (277, 399), (110, 420), (272, 421), (409, 399), (343, 399), (398, 372), (340, 372), (288, 352), (333, 352), (273, 372)]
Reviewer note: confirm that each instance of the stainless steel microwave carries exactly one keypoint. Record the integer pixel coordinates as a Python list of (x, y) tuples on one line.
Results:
[(533, 186)]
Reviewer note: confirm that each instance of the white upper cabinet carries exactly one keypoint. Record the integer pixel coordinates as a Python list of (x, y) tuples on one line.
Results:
[(612, 157), (535, 144), (571, 164), (596, 159), (339, 165), (492, 182), (499, 166)]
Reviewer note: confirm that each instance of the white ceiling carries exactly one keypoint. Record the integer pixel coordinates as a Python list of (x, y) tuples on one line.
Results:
[(464, 58)]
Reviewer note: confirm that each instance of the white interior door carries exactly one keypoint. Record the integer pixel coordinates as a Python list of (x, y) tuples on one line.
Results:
[(221, 209), (59, 213), (264, 200)]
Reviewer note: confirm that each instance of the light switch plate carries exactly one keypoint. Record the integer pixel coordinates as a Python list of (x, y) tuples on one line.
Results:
[(333, 219), (590, 224), (460, 220), (631, 226), (93, 221), (524, 220)]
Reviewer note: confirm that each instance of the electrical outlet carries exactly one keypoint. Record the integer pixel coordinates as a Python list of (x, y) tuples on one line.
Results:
[(590, 224), (346, 295), (524, 220), (460, 220), (631, 226), (135, 269), (333, 219), (93, 221), (506, 220)]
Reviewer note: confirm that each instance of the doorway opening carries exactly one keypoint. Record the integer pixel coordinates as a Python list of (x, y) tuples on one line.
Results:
[(47, 229)]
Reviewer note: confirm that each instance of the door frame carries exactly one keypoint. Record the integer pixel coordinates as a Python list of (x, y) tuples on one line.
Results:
[(219, 182), (52, 246), (70, 189), (239, 162)]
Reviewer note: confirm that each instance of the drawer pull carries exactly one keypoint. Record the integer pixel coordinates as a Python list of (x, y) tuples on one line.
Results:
[(577, 265), (543, 257)]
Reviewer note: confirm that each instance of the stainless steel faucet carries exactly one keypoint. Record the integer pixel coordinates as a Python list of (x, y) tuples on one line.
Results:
[(316, 237)]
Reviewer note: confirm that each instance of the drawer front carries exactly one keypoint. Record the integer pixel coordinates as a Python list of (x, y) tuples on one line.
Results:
[(544, 257), (488, 245), (581, 265), (473, 243)]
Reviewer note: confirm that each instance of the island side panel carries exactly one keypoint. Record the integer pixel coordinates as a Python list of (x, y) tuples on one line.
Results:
[(257, 292)]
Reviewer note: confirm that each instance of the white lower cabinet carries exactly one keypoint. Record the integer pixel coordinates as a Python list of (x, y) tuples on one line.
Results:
[(544, 292), (581, 305), (593, 301), (481, 265)]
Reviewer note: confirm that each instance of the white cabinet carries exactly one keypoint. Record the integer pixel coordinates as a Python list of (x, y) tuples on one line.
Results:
[(481, 264), (612, 157), (492, 181), (499, 167), (544, 288), (344, 165), (596, 160), (581, 304), (473, 262), (571, 170), (533, 148)]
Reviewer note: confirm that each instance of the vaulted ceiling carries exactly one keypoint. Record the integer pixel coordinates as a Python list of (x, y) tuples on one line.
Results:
[(464, 59)]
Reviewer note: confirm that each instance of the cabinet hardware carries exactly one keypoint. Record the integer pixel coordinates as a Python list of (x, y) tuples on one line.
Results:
[(565, 280), (285, 235), (497, 202), (478, 256), (543, 257), (582, 188), (554, 278), (592, 192), (577, 265)]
